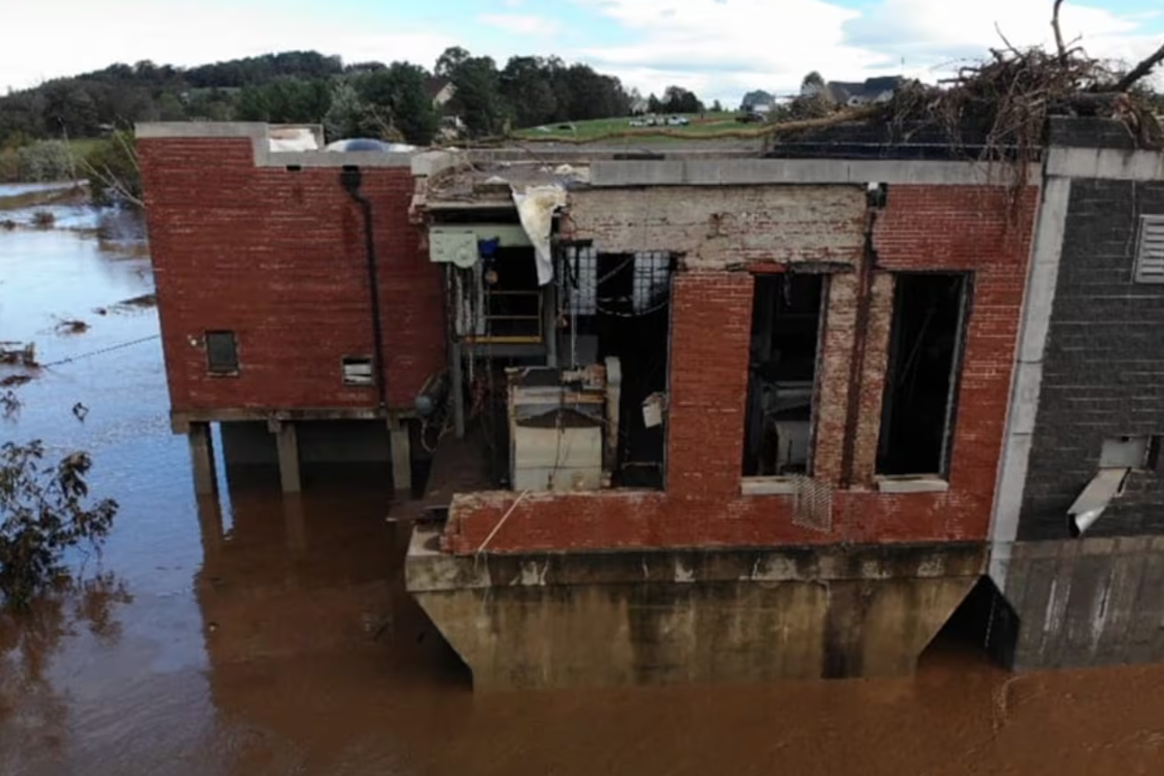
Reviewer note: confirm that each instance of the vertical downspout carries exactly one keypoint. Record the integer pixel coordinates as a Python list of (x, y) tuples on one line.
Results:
[(857, 363), (350, 179)]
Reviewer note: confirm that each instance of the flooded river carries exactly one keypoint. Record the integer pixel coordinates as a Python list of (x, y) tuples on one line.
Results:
[(256, 634)]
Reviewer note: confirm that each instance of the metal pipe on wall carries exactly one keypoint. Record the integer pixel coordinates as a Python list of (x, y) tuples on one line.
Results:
[(351, 178)]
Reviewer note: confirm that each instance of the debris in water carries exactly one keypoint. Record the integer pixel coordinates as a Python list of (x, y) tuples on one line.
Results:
[(80, 411), (43, 219), (145, 300), (7, 224), (14, 381), (18, 353), (9, 404), (72, 326)]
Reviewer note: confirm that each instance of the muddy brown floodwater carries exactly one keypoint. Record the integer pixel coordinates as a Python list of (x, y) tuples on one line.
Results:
[(256, 634)]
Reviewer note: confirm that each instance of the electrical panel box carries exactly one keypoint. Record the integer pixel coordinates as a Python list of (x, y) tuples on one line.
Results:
[(459, 247)]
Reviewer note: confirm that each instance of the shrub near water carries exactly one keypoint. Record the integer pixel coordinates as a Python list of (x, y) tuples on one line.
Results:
[(44, 512), (48, 160)]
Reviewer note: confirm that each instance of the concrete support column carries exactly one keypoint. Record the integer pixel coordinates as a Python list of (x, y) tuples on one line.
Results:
[(210, 527), (287, 444), (202, 459), (401, 445)]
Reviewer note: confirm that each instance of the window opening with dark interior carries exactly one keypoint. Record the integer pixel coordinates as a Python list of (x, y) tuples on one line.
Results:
[(221, 352), (618, 305), (782, 369), (925, 352), (511, 299)]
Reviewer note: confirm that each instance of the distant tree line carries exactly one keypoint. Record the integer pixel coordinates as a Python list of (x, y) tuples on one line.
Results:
[(393, 101)]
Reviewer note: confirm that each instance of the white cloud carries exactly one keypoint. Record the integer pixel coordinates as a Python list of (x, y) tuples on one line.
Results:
[(722, 48), (520, 24), (928, 34), (186, 33), (707, 45)]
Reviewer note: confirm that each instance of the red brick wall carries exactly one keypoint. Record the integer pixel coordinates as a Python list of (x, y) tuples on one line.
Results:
[(936, 228), (278, 257)]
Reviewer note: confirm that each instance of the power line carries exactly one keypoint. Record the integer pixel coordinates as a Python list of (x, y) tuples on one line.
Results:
[(101, 351)]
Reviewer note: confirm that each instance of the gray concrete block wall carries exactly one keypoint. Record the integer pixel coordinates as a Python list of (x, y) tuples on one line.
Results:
[(1088, 603), (1103, 371)]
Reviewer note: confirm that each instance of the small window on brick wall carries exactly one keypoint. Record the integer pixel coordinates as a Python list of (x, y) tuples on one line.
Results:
[(921, 384), (786, 312), (221, 353), (1150, 250), (357, 371)]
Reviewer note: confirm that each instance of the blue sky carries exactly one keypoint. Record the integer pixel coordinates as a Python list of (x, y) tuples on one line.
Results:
[(719, 48)]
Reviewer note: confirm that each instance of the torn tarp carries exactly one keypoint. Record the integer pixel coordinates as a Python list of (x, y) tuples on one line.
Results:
[(535, 208)]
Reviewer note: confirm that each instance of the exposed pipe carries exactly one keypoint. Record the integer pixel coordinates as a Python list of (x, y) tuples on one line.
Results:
[(350, 178)]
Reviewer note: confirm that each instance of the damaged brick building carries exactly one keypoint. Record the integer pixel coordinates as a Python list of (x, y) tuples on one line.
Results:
[(686, 416), (300, 322)]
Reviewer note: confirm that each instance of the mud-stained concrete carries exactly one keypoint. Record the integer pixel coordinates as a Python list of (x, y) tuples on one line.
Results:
[(265, 636)]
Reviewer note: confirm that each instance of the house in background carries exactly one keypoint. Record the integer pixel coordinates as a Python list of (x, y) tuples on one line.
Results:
[(758, 101), (440, 91), (857, 93)]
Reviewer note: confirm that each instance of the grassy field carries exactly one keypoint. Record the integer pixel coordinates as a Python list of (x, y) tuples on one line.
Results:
[(704, 124)]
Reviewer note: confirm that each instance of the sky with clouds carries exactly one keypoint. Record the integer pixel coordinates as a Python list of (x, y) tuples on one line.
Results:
[(718, 48)]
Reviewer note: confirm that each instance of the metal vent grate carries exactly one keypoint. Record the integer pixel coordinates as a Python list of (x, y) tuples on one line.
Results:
[(813, 507), (1150, 253)]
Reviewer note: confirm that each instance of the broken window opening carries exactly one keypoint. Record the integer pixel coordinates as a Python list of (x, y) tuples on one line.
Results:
[(925, 353), (499, 299), (221, 353), (357, 371), (782, 369), (618, 305)]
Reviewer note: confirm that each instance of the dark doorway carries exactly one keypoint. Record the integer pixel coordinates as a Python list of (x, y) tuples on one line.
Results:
[(786, 312), (619, 305), (921, 384)]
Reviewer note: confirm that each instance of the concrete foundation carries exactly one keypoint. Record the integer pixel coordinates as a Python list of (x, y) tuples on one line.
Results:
[(202, 459), (1094, 602), (653, 617)]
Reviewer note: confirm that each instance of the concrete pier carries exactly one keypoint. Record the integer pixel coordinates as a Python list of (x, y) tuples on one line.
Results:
[(287, 446), (202, 459), (658, 616), (401, 446)]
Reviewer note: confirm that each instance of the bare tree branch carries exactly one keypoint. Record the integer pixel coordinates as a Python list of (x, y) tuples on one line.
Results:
[(1004, 40), (1140, 70), (1058, 32)]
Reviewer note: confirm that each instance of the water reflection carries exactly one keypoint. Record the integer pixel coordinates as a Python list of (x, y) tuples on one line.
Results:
[(33, 712)]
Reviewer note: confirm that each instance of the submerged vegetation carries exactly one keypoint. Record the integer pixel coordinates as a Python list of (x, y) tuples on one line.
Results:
[(45, 511)]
